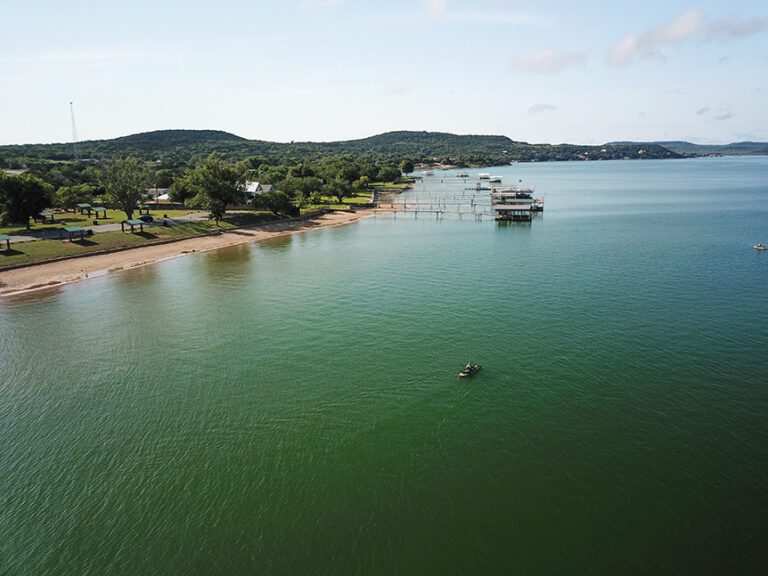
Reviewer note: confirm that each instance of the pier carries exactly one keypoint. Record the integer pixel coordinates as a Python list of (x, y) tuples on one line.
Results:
[(437, 198), (440, 209)]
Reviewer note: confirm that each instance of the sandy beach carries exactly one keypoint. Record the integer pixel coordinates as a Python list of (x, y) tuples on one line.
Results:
[(42, 276)]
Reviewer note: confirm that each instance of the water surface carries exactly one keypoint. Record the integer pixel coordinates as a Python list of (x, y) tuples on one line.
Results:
[(292, 406)]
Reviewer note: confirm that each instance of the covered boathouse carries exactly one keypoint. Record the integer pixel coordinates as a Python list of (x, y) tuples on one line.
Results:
[(511, 203), (514, 212)]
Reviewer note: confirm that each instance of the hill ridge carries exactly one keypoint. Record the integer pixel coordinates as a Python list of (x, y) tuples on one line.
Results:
[(179, 147)]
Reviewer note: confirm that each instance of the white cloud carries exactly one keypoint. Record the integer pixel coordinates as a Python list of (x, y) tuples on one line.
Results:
[(633, 46), (702, 111), (691, 24), (548, 61), (685, 26), (543, 107)]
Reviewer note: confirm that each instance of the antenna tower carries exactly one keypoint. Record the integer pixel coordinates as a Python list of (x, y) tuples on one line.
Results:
[(75, 151)]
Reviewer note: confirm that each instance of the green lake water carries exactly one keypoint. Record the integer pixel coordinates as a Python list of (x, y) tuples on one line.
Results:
[(292, 406)]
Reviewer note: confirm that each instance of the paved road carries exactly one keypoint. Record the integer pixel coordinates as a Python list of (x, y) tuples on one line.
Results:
[(54, 233)]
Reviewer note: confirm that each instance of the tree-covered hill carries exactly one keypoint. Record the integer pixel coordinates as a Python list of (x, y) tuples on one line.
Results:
[(691, 149), (185, 147)]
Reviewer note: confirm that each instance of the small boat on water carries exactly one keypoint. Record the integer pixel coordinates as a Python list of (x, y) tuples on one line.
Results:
[(495, 179), (760, 246), (470, 370)]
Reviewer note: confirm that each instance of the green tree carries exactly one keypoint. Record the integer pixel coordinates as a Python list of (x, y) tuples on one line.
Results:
[(316, 197), (276, 201), (272, 174), (406, 166), (339, 188), (164, 178), (23, 197), (254, 162), (218, 184), (181, 190), (68, 197), (294, 186), (303, 170), (388, 173), (361, 184), (348, 171), (370, 169), (125, 182)]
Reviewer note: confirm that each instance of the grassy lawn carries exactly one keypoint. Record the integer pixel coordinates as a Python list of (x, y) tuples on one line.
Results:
[(359, 199), (25, 252), (326, 206), (308, 208), (391, 185), (71, 219), (331, 203)]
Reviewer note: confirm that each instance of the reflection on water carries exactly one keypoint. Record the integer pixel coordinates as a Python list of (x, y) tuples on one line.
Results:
[(280, 243), (510, 224), (239, 254)]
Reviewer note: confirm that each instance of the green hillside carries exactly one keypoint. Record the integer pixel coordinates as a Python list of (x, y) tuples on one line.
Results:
[(691, 149), (183, 147)]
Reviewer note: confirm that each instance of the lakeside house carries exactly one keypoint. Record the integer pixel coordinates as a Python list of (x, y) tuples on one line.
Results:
[(156, 194), (253, 189)]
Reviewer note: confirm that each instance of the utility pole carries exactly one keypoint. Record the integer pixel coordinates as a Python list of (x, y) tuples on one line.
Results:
[(75, 152)]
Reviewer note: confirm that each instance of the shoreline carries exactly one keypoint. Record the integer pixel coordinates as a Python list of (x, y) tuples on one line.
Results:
[(49, 275)]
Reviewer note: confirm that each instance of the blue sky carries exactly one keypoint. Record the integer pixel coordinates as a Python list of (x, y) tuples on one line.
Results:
[(539, 71)]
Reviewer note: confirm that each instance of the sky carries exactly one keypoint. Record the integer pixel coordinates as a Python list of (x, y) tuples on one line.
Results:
[(296, 70)]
